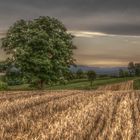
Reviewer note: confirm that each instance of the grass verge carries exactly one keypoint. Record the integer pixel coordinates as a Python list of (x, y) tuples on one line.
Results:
[(78, 84), (85, 84), (137, 84)]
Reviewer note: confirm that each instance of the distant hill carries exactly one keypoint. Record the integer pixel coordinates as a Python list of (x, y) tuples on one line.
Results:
[(99, 70)]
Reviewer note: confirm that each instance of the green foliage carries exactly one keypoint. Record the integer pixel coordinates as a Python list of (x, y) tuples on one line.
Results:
[(69, 75), (3, 66), (13, 76), (3, 78), (91, 76), (83, 84), (103, 76), (77, 84), (121, 73), (3, 85), (137, 69), (42, 48), (134, 69), (126, 73), (80, 74), (137, 84)]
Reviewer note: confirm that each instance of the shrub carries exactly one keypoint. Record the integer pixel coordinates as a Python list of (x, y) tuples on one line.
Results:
[(14, 76), (3, 85), (14, 82)]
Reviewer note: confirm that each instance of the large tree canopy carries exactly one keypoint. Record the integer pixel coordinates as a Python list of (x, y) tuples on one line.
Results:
[(42, 48)]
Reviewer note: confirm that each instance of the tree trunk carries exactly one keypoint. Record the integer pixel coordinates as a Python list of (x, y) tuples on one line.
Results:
[(41, 84)]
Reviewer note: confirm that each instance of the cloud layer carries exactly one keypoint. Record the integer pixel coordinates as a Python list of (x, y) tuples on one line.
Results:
[(107, 16), (107, 51)]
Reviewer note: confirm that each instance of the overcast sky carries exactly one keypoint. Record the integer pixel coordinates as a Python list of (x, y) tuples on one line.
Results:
[(107, 31)]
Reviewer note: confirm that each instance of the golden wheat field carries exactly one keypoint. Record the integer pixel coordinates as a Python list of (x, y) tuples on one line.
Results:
[(109, 113)]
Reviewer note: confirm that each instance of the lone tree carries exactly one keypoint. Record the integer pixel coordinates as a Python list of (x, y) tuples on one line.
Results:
[(41, 48), (91, 76)]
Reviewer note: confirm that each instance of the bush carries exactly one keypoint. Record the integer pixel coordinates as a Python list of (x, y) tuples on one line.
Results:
[(3, 78), (3, 86), (14, 82), (14, 76)]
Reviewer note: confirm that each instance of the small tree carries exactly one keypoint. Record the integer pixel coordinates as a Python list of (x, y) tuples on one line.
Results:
[(126, 73), (70, 75), (121, 73), (80, 73), (91, 76), (42, 48)]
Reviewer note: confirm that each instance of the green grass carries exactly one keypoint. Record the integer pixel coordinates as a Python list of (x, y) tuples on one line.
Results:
[(85, 84), (137, 84), (78, 84), (20, 87)]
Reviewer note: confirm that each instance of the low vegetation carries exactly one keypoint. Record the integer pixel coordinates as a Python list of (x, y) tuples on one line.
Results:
[(3, 86), (137, 84), (77, 84)]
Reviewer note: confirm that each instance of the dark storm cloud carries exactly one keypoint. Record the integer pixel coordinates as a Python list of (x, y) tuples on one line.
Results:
[(119, 29), (88, 5), (108, 16)]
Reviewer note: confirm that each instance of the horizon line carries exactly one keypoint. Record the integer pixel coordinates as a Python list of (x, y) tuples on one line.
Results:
[(84, 33)]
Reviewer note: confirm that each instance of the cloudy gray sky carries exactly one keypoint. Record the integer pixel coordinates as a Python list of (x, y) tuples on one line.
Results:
[(107, 31)]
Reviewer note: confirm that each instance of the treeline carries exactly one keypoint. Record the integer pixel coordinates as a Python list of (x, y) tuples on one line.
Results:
[(14, 75), (80, 74), (133, 69)]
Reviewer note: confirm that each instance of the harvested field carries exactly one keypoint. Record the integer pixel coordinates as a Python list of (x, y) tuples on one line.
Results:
[(110, 113)]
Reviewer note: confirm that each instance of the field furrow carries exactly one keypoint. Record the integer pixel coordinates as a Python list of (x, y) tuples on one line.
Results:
[(110, 113), (14, 108)]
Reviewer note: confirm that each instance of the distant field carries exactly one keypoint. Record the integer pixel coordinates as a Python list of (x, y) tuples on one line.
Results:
[(78, 84), (71, 114)]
